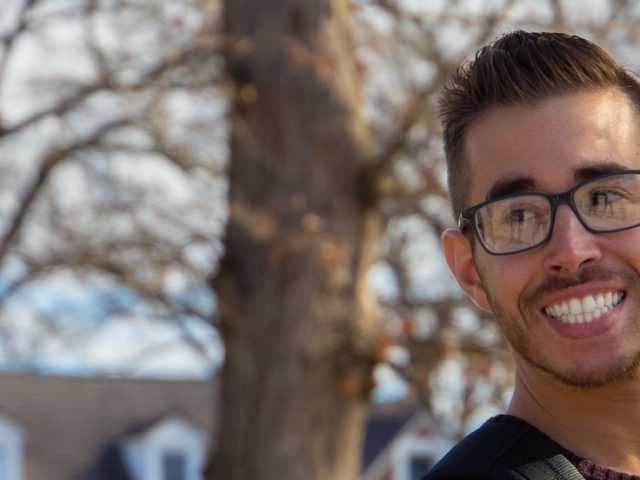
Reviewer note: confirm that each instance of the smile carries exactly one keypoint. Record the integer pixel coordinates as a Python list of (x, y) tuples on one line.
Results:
[(585, 309)]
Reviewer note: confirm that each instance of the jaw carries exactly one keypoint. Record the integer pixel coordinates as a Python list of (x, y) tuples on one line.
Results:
[(590, 354), (588, 374), (586, 355)]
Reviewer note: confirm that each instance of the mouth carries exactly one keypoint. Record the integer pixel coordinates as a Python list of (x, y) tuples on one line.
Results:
[(584, 309)]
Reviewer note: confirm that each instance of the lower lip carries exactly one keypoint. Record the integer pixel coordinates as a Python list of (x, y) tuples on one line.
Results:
[(584, 330)]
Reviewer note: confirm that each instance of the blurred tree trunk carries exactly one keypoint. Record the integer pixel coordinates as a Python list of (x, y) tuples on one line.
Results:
[(298, 323)]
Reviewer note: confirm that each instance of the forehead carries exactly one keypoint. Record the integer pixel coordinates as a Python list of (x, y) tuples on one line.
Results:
[(548, 143)]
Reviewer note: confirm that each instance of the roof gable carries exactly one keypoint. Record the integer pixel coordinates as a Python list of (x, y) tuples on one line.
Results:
[(175, 426), (87, 414)]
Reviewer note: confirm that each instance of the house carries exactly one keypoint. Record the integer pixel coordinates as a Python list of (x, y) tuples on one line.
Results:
[(100, 428), (402, 442)]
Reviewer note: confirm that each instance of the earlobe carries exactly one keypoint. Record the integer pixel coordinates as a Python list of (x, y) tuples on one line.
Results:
[(459, 256)]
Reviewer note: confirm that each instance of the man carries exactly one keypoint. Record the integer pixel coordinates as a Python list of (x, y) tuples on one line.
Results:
[(542, 138)]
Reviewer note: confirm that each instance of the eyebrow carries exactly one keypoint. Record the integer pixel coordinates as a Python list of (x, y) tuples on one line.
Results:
[(509, 185), (521, 184), (596, 169)]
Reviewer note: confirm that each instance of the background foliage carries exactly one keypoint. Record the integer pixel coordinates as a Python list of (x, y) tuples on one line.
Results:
[(113, 153)]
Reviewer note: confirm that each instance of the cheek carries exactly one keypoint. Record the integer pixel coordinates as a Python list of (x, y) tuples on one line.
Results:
[(506, 280), (625, 246)]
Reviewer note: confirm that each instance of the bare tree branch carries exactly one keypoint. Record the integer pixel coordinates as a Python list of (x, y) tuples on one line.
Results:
[(51, 160)]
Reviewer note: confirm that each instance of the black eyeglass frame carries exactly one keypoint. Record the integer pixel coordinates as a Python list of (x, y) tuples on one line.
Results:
[(555, 200)]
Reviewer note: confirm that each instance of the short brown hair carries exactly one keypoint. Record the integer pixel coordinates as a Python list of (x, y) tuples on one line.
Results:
[(520, 68)]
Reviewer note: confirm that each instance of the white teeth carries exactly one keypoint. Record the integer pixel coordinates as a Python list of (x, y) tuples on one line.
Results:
[(585, 309), (588, 303), (575, 305)]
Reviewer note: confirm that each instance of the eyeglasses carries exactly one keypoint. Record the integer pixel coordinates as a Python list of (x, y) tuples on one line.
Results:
[(522, 221)]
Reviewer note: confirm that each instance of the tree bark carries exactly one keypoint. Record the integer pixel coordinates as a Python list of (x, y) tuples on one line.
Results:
[(298, 323)]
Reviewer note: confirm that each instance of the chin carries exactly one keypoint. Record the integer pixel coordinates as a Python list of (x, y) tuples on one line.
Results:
[(599, 376)]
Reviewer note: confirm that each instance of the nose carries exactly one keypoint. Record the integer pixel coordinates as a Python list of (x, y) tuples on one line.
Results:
[(571, 245)]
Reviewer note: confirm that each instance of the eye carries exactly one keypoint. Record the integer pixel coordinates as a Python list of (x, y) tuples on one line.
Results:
[(602, 200), (520, 215), (597, 198)]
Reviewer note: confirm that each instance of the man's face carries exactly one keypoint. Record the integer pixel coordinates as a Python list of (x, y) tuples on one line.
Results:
[(550, 147)]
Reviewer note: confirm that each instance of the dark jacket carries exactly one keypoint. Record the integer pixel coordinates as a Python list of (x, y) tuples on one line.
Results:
[(511, 450)]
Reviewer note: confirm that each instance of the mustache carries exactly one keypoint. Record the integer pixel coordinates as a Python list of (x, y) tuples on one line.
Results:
[(586, 275)]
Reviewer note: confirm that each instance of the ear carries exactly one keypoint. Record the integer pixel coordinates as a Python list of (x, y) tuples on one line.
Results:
[(459, 256)]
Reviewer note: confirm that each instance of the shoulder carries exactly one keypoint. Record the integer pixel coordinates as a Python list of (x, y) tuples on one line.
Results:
[(481, 454), (477, 455)]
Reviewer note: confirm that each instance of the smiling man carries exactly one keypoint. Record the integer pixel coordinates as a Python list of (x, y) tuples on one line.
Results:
[(542, 138)]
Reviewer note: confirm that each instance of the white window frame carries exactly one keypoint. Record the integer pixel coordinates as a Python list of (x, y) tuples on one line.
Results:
[(12, 442), (144, 454), (410, 446)]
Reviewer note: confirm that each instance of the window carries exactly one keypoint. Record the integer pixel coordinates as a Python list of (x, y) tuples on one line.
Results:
[(172, 449), (11, 445), (419, 467), (4, 463), (174, 466), (413, 454)]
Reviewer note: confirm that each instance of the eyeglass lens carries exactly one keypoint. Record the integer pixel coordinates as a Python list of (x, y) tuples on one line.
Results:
[(520, 222)]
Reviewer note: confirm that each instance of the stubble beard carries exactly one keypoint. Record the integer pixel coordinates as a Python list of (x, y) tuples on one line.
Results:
[(514, 329)]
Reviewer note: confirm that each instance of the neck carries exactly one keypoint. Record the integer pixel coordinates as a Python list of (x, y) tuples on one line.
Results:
[(599, 424)]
